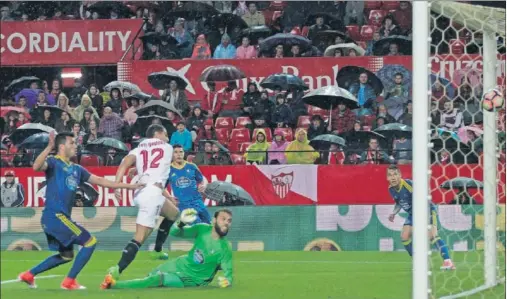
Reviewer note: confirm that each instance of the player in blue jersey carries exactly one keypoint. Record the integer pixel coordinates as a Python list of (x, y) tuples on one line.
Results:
[(401, 191), (187, 184), (63, 177)]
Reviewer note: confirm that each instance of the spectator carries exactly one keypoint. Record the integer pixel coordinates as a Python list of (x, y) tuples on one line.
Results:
[(41, 99), (77, 92), (97, 99), (92, 133), (435, 115), (250, 98), (115, 101), (130, 115), (317, 127), (451, 118), (369, 46), (403, 150), (394, 50), (336, 155), (184, 38), (204, 158), (45, 86), (246, 51), (403, 16), (218, 157), (225, 50), (231, 100), (63, 103), (78, 134), (10, 125), (406, 118), (5, 14), (374, 155), (55, 88), (343, 120), (299, 151), (388, 27), (212, 102), (34, 85), (195, 121), (88, 116), (398, 90), (202, 49), (253, 17), (379, 122), (295, 51), (86, 104), (47, 120), (22, 104), (354, 13), (24, 18), (206, 132), (276, 151), (112, 158), (297, 106), (279, 52), (364, 93), (182, 137), (176, 97), (21, 120), (317, 27), (264, 107), (111, 124), (13, 194), (281, 116), (383, 113), (64, 124), (256, 152)]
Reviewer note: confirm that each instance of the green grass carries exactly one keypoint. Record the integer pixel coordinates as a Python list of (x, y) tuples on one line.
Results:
[(264, 275)]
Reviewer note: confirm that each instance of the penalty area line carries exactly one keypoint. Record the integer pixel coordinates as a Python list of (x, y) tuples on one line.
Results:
[(36, 278)]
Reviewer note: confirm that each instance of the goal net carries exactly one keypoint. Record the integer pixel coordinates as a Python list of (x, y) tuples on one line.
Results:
[(468, 143)]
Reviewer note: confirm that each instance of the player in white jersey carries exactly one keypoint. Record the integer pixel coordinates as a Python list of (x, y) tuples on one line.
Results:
[(152, 159)]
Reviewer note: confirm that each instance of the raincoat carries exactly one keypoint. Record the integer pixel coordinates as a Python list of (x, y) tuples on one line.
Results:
[(300, 152), (257, 151)]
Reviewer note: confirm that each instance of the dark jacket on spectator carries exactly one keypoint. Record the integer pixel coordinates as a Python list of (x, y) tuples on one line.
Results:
[(194, 122), (251, 98), (263, 107), (281, 114), (316, 131), (61, 127), (97, 103), (180, 103), (49, 123), (297, 106), (86, 137), (75, 96)]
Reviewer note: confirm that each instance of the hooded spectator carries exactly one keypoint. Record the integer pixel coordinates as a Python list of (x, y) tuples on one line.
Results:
[(86, 104), (299, 151), (317, 127), (281, 116), (250, 98), (256, 152), (184, 38), (225, 50), (276, 151), (202, 49), (77, 92), (263, 107)]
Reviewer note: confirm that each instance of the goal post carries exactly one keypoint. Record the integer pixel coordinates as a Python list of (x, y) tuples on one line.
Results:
[(456, 33)]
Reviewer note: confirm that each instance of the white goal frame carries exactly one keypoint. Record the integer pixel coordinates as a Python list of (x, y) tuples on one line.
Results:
[(421, 166)]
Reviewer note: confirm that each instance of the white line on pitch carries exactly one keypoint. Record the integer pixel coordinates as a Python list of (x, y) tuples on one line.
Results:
[(36, 278)]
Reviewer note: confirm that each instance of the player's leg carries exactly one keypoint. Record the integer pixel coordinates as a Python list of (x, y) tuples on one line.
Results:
[(169, 280), (170, 213), (406, 235), (438, 243)]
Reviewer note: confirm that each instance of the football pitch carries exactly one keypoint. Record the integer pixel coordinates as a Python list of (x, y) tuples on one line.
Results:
[(262, 275)]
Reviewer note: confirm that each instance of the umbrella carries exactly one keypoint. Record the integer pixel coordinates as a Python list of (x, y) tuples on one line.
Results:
[(161, 80), (387, 73), (104, 8), (27, 130), (255, 33), (228, 194), (381, 47), (138, 96), (122, 86), (155, 106), (31, 96), (36, 141), (5, 111), (463, 133), (90, 194), (190, 10), (21, 83), (395, 130), (326, 140), (448, 87), (157, 38), (330, 35), (98, 145), (284, 82), (350, 75), (328, 97), (395, 105), (363, 137), (329, 52), (285, 39), (221, 73), (462, 183), (56, 112), (220, 146), (227, 21), (143, 122)]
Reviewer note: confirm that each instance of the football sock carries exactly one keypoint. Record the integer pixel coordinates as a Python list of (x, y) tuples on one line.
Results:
[(408, 246), (50, 263), (440, 245), (162, 233), (83, 257), (129, 254), (143, 283)]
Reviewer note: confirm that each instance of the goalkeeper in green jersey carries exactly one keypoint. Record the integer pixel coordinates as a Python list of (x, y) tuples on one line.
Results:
[(210, 253)]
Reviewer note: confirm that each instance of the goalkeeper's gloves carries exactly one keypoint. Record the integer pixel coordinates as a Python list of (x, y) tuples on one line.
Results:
[(223, 282), (188, 216)]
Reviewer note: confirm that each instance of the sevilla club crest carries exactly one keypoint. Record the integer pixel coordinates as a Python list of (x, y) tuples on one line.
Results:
[(282, 183)]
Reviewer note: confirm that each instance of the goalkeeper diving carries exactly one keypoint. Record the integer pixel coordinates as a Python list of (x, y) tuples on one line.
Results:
[(211, 252)]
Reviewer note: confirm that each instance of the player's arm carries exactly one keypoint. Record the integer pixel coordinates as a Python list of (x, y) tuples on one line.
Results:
[(97, 180), (199, 178), (40, 164), (125, 164), (182, 230), (226, 265), (396, 209)]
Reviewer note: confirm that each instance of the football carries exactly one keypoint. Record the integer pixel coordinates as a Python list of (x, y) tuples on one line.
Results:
[(492, 100)]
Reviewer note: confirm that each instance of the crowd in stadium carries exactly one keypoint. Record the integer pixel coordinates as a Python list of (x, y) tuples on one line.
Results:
[(233, 126)]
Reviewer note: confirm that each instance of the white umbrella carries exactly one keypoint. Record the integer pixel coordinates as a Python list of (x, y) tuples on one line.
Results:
[(330, 50)]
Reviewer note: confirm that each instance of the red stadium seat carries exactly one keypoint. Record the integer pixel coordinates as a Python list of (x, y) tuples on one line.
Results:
[(244, 146), (287, 133), (367, 120), (304, 31), (238, 136), (190, 158), (238, 159), (91, 160), (353, 31), (376, 17), (222, 135), (372, 4), (224, 122), (367, 32), (304, 121), (269, 136), (388, 5), (243, 121)]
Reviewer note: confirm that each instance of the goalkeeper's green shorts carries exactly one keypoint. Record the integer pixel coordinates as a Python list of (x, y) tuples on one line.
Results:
[(172, 278)]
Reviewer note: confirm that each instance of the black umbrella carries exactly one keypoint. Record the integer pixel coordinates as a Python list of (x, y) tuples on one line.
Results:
[(284, 82), (285, 39), (462, 183), (228, 194), (56, 112), (36, 141), (143, 122), (104, 8), (138, 96), (99, 145), (328, 97), (227, 21), (363, 137), (255, 33), (330, 35), (122, 85), (157, 107), (157, 38), (161, 80), (24, 82), (350, 75), (221, 73), (326, 140), (26, 130), (220, 146), (191, 10), (381, 47), (395, 130)]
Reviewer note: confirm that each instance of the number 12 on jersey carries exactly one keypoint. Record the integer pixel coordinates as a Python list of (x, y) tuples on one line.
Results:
[(152, 159)]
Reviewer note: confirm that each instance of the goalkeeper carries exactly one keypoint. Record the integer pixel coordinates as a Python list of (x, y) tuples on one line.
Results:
[(211, 252)]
